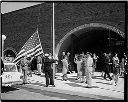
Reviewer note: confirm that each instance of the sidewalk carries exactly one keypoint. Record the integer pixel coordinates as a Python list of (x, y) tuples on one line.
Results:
[(102, 89)]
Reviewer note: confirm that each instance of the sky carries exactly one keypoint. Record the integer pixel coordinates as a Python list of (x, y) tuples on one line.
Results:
[(12, 6)]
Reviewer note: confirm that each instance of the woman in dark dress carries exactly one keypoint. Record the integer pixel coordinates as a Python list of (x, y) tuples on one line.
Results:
[(83, 68)]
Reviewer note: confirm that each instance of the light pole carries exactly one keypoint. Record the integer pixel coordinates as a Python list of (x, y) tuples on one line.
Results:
[(3, 38)]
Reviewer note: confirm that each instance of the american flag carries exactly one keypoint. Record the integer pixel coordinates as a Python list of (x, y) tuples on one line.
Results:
[(31, 48)]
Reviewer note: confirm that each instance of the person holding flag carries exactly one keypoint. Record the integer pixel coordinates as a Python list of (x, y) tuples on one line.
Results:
[(24, 65), (31, 48)]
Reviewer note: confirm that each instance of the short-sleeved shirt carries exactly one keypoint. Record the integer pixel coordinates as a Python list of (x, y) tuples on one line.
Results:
[(39, 60)]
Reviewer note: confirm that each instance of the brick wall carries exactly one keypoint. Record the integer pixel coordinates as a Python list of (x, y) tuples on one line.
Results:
[(19, 25)]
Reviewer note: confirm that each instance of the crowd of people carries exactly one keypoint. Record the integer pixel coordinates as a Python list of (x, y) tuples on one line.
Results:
[(39, 65), (86, 65)]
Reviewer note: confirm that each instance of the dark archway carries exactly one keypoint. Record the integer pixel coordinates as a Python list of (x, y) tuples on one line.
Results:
[(95, 39), (10, 51)]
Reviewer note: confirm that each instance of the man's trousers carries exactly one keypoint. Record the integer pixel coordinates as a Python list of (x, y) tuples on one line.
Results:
[(49, 77)]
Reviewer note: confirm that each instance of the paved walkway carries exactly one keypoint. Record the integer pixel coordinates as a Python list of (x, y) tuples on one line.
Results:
[(102, 89)]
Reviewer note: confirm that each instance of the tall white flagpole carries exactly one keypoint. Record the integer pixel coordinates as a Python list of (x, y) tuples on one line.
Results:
[(53, 34), (53, 42)]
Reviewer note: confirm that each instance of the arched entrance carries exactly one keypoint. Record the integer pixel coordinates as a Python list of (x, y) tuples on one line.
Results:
[(10, 51), (9, 54), (94, 37)]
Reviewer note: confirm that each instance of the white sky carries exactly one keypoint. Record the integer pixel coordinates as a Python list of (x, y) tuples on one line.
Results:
[(12, 6)]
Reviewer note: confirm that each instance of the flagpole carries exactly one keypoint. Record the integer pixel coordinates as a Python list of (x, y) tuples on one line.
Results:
[(38, 23), (53, 34), (53, 42)]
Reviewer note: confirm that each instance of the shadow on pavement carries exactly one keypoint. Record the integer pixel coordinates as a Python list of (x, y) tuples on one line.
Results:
[(59, 79), (5, 89), (74, 85), (57, 94), (72, 80), (104, 83), (36, 83), (69, 79), (98, 77)]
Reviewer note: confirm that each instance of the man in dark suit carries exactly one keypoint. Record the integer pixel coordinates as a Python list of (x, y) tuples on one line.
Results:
[(69, 62), (48, 70), (107, 66)]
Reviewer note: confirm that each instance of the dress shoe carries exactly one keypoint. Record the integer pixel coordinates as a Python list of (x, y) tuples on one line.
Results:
[(46, 85), (68, 72), (53, 86), (25, 83), (88, 86), (76, 78), (38, 74)]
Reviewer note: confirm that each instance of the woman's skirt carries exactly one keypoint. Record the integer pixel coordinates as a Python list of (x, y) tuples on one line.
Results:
[(82, 70), (116, 70), (64, 70)]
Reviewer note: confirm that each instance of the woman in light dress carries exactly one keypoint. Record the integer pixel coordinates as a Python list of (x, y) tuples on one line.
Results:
[(65, 68), (39, 64), (78, 61), (116, 68), (89, 70), (122, 64)]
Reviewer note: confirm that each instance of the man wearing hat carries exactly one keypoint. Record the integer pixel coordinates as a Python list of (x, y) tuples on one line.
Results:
[(48, 70)]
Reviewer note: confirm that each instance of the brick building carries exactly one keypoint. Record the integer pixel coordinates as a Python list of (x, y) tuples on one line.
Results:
[(79, 27)]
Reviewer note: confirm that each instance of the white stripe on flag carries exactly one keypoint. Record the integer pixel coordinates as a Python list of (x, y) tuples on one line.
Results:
[(27, 52), (21, 52), (39, 53), (40, 49)]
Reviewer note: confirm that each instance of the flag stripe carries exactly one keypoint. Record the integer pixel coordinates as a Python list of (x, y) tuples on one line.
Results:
[(21, 52), (30, 50), (28, 53), (34, 53), (38, 52), (32, 47)]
